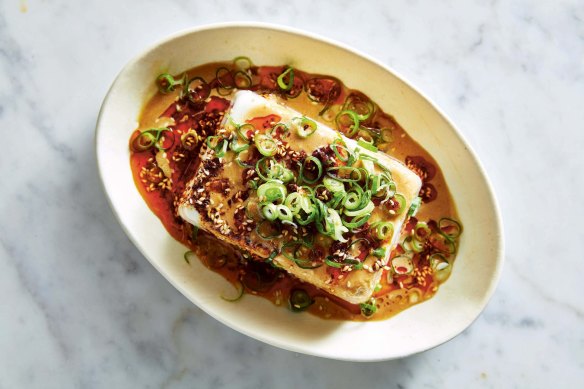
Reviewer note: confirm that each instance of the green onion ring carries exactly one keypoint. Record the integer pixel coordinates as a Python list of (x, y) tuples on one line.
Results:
[(382, 230), (261, 163), (341, 169), (445, 224), (284, 213), (274, 130), (367, 145), (237, 146), (353, 116), (242, 80), (359, 212), (199, 93), (421, 226), (240, 161), (299, 300), (305, 263), (356, 221), (333, 184), (270, 212), (271, 191), (224, 71), (305, 127), (144, 141), (318, 165), (166, 83), (266, 145), (244, 129), (414, 206), (280, 80), (242, 62), (339, 144)]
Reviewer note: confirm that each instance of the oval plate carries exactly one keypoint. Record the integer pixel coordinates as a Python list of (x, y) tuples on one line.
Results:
[(458, 302)]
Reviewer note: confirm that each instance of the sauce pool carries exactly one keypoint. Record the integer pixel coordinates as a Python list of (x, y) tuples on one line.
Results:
[(161, 175)]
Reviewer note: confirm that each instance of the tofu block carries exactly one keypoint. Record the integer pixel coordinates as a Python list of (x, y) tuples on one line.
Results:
[(222, 199)]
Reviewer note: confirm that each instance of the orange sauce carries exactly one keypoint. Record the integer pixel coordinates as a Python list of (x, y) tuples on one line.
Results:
[(161, 192)]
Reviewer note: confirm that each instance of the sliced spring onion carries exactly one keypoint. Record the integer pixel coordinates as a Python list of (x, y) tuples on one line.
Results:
[(189, 140), (340, 150), (237, 145), (302, 177), (360, 212), (282, 84), (401, 203), (241, 159), (367, 145), (270, 212), (449, 228), (221, 148), (144, 141), (441, 265), (299, 300), (301, 253), (348, 122), (352, 200), (355, 264), (337, 201), (297, 202), (334, 225), (415, 206), (305, 127), (421, 231), (382, 230), (187, 257), (402, 264), (438, 262), (152, 137), (336, 265), (387, 135), (362, 108), (220, 75), (345, 173), (279, 129), (380, 252), (442, 243), (356, 221), (266, 145), (239, 294), (199, 92), (284, 213), (264, 168), (242, 62), (301, 207), (369, 308), (270, 260), (285, 175), (245, 130), (271, 191), (412, 244), (333, 185), (166, 83)]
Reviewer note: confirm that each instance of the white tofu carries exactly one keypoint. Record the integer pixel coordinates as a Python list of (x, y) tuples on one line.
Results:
[(214, 211)]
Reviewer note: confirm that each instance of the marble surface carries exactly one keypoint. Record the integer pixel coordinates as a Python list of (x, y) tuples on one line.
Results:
[(82, 308)]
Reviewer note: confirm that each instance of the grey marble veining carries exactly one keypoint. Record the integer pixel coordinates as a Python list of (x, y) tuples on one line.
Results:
[(81, 306)]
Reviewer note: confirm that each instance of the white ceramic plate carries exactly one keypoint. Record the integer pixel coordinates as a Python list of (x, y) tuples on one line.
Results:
[(458, 302)]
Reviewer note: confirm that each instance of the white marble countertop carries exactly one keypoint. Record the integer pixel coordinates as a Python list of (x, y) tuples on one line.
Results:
[(82, 308)]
